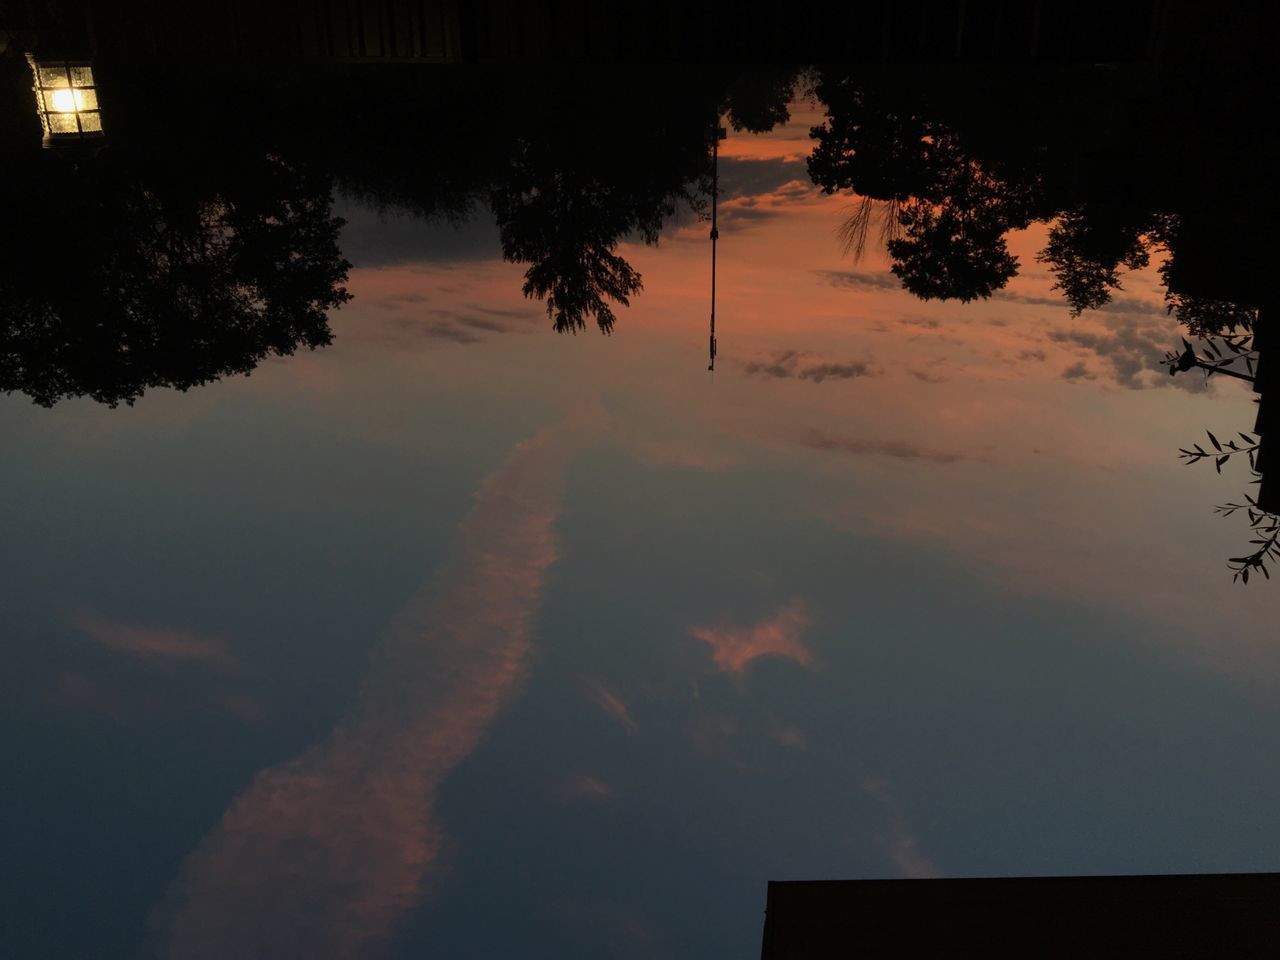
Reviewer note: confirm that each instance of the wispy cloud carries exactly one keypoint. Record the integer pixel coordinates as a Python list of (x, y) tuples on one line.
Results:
[(151, 643), (794, 365), (901, 449), (734, 648), (926, 376), (1132, 347), (321, 855), (742, 177), (612, 704), (860, 279), (456, 327), (592, 788), (788, 735), (900, 845), (747, 210), (1077, 371), (1123, 305)]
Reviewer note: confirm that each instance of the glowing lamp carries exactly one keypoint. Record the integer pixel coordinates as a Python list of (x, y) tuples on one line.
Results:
[(67, 100)]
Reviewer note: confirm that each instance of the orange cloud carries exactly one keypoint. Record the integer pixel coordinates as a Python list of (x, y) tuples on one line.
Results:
[(321, 855), (151, 643), (734, 648)]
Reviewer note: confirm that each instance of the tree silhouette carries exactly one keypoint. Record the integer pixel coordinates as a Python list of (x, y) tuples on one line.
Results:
[(1087, 248), (152, 263), (112, 287), (951, 211)]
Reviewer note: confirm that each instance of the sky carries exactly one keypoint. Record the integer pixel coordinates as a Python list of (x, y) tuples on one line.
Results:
[(466, 638)]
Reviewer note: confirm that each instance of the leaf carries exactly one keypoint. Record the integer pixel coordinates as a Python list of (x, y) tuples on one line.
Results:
[(1214, 440)]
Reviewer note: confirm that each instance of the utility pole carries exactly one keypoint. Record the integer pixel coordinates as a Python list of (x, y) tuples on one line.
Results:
[(718, 134)]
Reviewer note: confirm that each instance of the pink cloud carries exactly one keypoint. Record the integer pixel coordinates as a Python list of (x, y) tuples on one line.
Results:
[(733, 648), (585, 785), (788, 735), (612, 704), (898, 842), (320, 856), (151, 643)]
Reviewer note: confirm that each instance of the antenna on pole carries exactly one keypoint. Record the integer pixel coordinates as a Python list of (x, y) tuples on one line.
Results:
[(718, 134)]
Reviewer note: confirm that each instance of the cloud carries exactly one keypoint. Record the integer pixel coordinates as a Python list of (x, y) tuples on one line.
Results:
[(151, 643), (898, 842), (901, 449), (410, 322), (1132, 347), (446, 331), (787, 735), (1032, 355), (860, 279), (793, 365), (589, 787), (1077, 371), (927, 322), (927, 377), (733, 648), (740, 177), (612, 704), (1121, 305), (746, 211), (321, 855)]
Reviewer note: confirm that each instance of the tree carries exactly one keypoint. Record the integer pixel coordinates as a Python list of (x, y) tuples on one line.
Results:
[(1086, 249), (149, 263)]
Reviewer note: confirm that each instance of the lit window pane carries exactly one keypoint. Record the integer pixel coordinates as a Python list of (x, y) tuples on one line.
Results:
[(86, 99), (64, 100), (82, 76), (91, 122), (63, 123), (53, 77)]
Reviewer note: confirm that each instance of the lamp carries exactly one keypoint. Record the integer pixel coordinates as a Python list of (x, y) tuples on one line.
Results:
[(66, 99)]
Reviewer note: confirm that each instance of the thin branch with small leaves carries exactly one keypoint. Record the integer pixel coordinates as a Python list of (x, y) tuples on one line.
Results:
[(1265, 525)]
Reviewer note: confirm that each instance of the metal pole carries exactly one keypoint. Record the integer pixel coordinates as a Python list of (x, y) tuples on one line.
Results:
[(715, 233)]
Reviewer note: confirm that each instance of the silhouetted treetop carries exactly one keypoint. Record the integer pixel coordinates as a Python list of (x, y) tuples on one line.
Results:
[(157, 262)]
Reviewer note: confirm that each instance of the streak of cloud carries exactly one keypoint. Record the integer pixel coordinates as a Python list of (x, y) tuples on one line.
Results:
[(860, 279), (612, 704), (1123, 305), (926, 376), (900, 845), (734, 648), (741, 177), (321, 855), (151, 643), (900, 449), (794, 365), (592, 788)]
